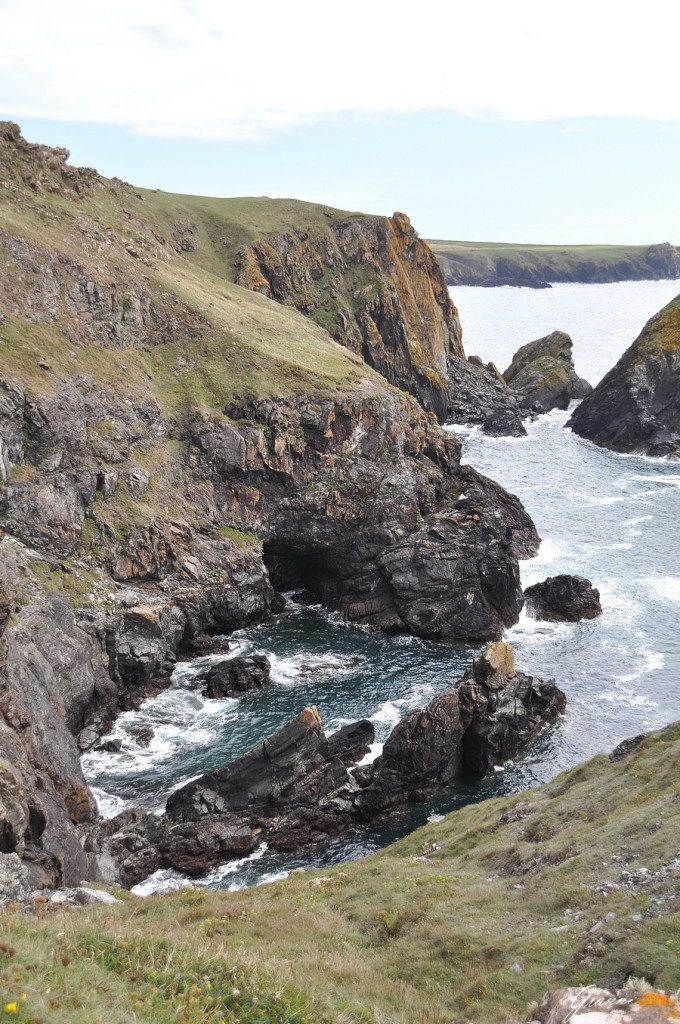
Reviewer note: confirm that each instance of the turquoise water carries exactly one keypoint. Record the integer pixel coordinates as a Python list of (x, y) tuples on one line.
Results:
[(612, 518)]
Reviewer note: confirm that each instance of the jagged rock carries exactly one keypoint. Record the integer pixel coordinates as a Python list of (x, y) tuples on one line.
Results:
[(195, 847), (352, 742), (636, 407), (128, 847), (503, 423), (229, 678), (626, 747), (563, 599), (488, 717), (405, 325), (299, 786), (542, 374), (146, 507)]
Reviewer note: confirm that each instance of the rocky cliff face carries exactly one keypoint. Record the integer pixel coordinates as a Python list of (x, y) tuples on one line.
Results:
[(376, 286), (636, 407), (173, 451)]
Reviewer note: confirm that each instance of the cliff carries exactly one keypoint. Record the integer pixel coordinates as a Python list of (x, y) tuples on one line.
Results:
[(175, 449), (495, 264), (636, 407), (473, 917)]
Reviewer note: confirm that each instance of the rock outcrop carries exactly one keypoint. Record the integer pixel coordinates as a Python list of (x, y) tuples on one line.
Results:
[(376, 286), (542, 374), (636, 407), (237, 675), (563, 599), (300, 786)]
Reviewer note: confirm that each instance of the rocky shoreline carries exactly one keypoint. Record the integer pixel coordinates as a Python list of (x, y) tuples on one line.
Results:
[(300, 787)]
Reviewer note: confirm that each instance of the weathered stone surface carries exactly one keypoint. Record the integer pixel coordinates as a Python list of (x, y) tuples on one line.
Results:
[(237, 675), (563, 599), (542, 374), (14, 880), (636, 407), (141, 518)]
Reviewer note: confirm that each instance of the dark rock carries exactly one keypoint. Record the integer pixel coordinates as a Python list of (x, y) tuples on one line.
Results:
[(626, 747), (487, 718), (128, 847), (305, 597), (195, 847), (109, 746), (563, 599), (351, 742), (238, 675), (503, 423), (143, 735), (542, 374), (636, 407)]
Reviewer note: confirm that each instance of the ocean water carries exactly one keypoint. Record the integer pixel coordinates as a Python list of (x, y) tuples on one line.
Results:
[(610, 517), (602, 319)]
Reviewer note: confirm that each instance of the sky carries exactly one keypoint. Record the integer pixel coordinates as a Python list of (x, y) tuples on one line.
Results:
[(515, 121)]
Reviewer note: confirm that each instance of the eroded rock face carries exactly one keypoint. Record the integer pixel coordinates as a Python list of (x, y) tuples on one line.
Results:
[(636, 407), (403, 323), (237, 675), (300, 786), (563, 599), (542, 374)]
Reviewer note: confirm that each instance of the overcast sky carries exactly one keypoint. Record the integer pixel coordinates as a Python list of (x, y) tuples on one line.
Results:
[(525, 121)]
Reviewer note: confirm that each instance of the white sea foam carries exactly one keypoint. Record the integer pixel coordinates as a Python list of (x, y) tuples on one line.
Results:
[(665, 587), (167, 880), (375, 750), (108, 804)]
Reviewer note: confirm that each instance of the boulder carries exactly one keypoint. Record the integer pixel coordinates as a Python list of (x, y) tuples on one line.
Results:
[(563, 599), (636, 407), (542, 374), (237, 675)]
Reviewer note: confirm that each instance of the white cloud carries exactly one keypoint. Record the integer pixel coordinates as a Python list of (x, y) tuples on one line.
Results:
[(230, 70)]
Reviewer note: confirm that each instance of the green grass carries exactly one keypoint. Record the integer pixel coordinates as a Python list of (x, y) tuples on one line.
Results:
[(421, 932)]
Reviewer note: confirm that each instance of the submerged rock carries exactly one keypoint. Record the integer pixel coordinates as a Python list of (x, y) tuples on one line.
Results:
[(300, 786), (636, 407), (563, 599), (238, 675), (542, 374)]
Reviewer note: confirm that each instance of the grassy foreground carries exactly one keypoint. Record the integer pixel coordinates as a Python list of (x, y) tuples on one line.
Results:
[(475, 916)]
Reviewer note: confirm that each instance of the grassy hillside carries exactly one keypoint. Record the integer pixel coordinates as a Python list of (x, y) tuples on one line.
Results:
[(474, 917), (510, 263), (248, 344)]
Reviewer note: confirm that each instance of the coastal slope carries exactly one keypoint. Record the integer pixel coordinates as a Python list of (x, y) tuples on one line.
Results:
[(473, 917)]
